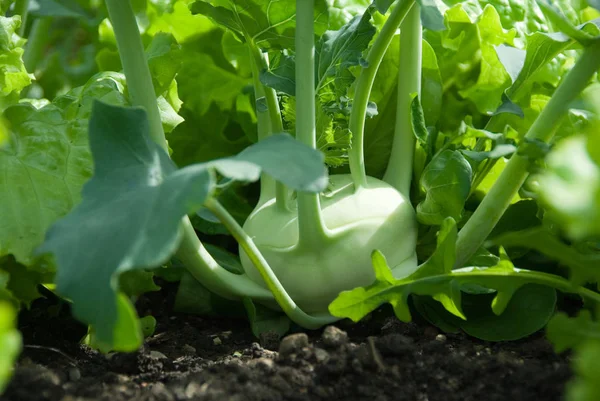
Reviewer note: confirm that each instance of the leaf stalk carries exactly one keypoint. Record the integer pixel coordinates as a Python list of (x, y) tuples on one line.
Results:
[(497, 200)]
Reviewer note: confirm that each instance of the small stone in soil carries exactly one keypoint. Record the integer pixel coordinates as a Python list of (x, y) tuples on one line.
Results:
[(333, 337), (292, 344)]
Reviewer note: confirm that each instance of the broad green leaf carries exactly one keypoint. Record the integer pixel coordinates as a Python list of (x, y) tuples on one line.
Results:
[(519, 216), (431, 17), (529, 310), (176, 20), (263, 319), (446, 181), (342, 11), (13, 75), (383, 5), (570, 188), (339, 50), (282, 76), (215, 85), (267, 23), (132, 207), (48, 159), (493, 78), (24, 281), (52, 8), (164, 60), (431, 85), (10, 343)]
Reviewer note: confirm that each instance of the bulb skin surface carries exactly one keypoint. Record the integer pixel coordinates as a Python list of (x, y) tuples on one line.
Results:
[(358, 222)]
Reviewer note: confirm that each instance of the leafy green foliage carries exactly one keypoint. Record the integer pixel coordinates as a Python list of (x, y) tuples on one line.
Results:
[(511, 289), (446, 182), (13, 75), (10, 343), (570, 188), (48, 158), (127, 163), (265, 23), (581, 333)]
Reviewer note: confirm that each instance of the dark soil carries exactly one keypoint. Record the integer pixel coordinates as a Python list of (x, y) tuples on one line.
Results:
[(193, 358)]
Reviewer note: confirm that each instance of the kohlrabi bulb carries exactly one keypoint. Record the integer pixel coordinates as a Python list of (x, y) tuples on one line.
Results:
[(358, 222)]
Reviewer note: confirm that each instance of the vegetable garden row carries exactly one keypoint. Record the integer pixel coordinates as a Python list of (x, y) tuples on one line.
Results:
[(300, 162)]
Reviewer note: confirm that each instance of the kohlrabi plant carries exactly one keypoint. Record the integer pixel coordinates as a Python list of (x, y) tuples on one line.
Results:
[(326, 240)]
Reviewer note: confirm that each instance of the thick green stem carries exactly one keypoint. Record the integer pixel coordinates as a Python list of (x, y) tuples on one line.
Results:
[(135, 65), (273, 113), (400, 166), (286, 303), (207, 271), (364, 84), (310, 220), (497, 200), (22, 9), (36, 43), (267, 184)]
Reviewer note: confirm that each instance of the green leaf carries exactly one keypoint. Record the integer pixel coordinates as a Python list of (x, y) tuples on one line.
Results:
[(562, 23), (418, 121), (566, 332), (134, 283), (127, 330), (529, 310), (266, 23), (24, 281), (493, 78), (357, 303), (497, 152), (570, 188), (281, 77), (263, 319), (148, 325), (165, 60), (132, 207), (431, 85), (10, 343), (446, 181), (48, 158), (52, 8), (13, 75), (431, 17), (435, 278), (339, 50)]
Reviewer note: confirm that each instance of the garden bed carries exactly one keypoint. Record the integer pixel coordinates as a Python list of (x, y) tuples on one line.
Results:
[(195, 358)]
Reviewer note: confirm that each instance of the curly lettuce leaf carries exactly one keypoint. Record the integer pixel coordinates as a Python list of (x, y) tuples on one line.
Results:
[(13, 74)]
